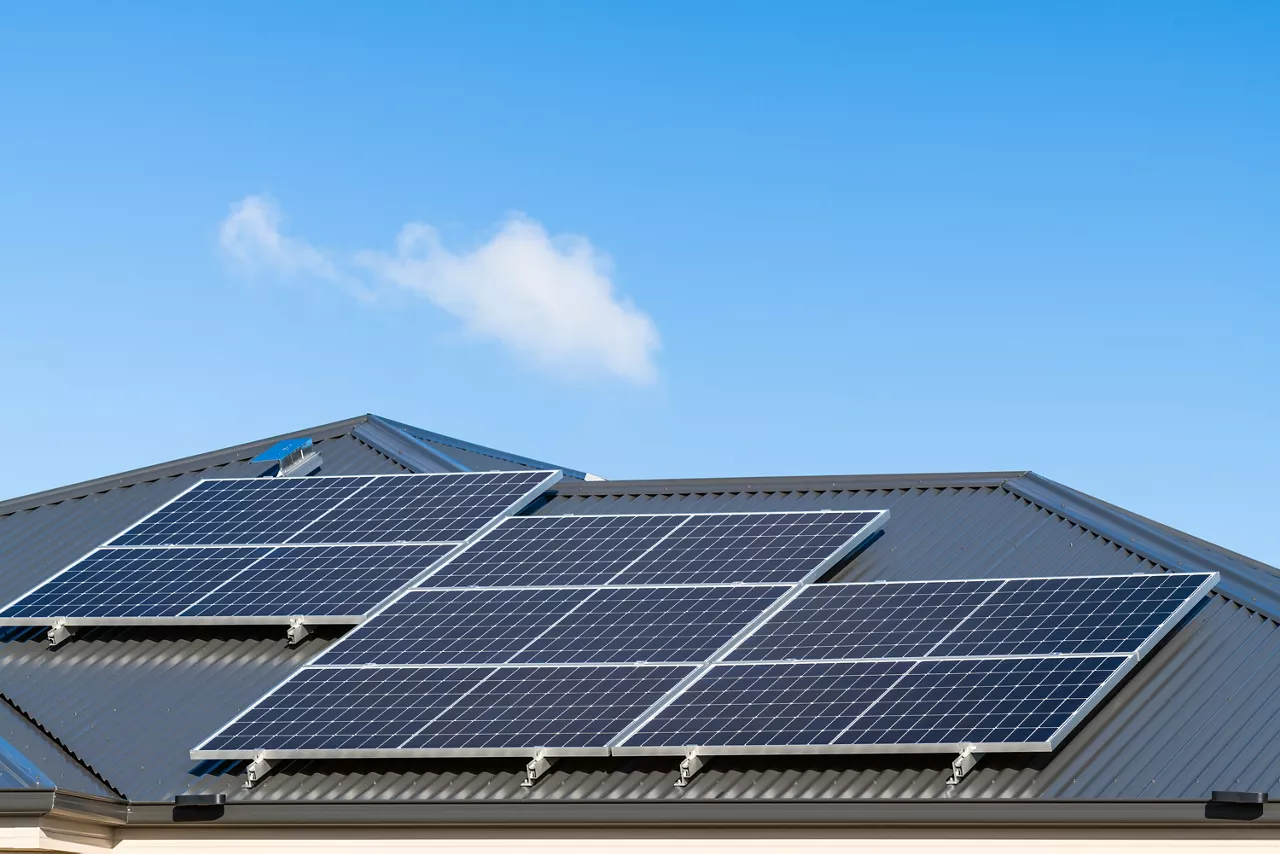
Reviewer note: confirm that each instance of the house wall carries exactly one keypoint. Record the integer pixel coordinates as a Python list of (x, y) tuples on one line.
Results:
[(1233, 838)]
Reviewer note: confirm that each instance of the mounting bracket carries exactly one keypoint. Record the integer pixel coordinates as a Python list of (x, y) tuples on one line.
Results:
[(298, 631), (963, 764), (59, 632), (257, 769), (536, 767), (689, 766)]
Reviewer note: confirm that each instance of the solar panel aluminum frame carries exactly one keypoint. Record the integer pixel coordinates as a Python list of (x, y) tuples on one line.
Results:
[(619, 748), (553, 477), (837, 555)]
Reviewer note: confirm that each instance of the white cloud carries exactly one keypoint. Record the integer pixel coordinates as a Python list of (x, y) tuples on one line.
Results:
[(551, 300), (251, 236)]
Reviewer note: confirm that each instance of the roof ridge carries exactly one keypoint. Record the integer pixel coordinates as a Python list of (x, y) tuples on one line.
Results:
[(802, 483), (183, 465), (1240, 576), (470, 447)]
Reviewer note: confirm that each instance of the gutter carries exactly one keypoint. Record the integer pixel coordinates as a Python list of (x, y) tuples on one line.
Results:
[(906, 814)]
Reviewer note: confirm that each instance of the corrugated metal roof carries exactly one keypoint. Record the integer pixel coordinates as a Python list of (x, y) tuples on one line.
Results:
[(1195, 717)]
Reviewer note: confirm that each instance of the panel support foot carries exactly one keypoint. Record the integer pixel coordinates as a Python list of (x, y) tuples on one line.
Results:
[(257, 769), (962, 765), (536, 767), (298, 631), (59, 633), (689, 766)]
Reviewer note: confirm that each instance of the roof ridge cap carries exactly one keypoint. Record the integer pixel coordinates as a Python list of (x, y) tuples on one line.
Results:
[(182, 465)]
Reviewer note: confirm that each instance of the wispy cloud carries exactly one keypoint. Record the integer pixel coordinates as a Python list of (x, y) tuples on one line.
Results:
[(549, 299)]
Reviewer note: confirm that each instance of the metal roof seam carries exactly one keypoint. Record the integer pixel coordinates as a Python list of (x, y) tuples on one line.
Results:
[(61, 744)]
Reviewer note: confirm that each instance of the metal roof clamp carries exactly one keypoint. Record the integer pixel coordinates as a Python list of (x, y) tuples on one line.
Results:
[(536, 767), (963, 764), (298, 631), (689, 766), (59, 632), (258, 768)]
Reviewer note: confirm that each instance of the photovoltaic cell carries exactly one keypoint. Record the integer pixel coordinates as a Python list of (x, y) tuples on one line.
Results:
[(475, 626), (641, 624), (877, 620), (996, 701), (763, 705), (1048, 616), (527, 551), (133, 583), (318, 581), (422, 508), (258, 511), (764, 548), (350, 708), (525, 708)]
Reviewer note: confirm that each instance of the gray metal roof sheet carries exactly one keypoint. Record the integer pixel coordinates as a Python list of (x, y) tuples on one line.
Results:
[(1197, 716)]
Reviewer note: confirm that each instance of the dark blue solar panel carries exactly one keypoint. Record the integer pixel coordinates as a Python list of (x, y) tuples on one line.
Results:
[(554, 550), (756, 548), (318, 581), (524, 708), (641, 624), (133, 583), (425, 508), (347, 708), (477, 626), (258, 511), (879, 620), (769, 705), (1047, 616), (991, 701)]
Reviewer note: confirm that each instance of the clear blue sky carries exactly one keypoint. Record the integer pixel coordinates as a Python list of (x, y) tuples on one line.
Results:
[(870, 237)]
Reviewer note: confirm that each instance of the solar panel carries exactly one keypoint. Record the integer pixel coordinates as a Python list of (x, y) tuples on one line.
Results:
[(750, 548), (133, 583), (646, 624), (255, 511), (529, 551), (347, 708), (431, 508), (877, 620), (475, 626), (715, 548), (162, 568), (1050, 616), (769, 705), (522, 709), (994, 701), (318, 581)]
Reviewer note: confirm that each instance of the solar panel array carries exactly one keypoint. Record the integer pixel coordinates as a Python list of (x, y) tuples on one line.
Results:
[(568, 628), (268, 549), (729, 668)]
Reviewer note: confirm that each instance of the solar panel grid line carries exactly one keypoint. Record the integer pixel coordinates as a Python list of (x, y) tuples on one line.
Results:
[(864, 622), (453, 627), (496, 539), (313, 578), (537, 481), (255, 511), (719, 655), (774, 550)]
